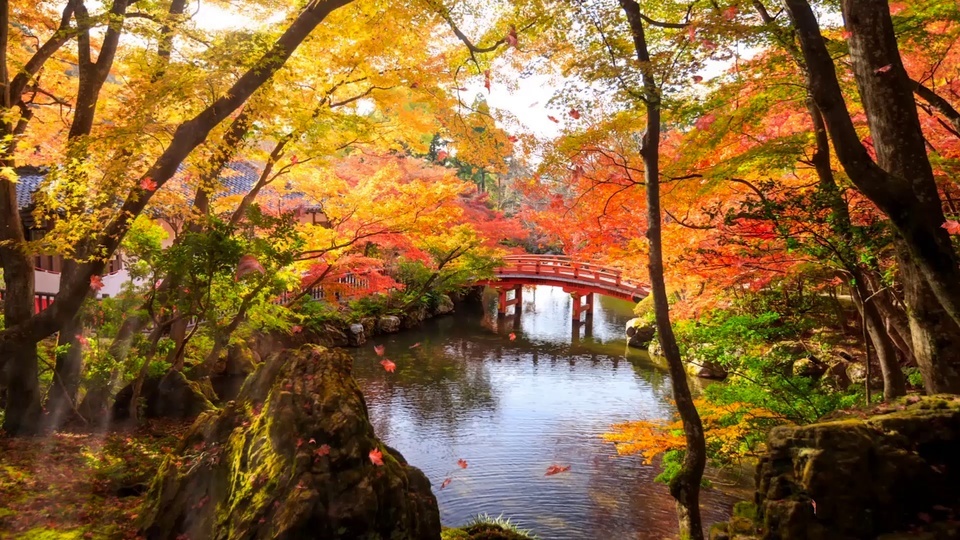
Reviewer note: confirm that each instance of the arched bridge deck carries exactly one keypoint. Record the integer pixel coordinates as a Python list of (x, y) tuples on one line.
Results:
[(561, 271)]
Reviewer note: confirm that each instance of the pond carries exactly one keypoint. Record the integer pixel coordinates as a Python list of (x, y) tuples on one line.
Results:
[(511, 408)]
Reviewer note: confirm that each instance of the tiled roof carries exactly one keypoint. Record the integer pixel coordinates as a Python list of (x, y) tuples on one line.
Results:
[(29, 181), (238, 179)]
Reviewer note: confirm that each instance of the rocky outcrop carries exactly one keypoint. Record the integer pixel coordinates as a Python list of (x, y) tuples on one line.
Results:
[(170, 395), (290, 458), (639, 333), (894, 475)]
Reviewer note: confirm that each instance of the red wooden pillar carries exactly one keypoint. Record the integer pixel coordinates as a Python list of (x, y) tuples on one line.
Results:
[(582, 303), (503, 303)]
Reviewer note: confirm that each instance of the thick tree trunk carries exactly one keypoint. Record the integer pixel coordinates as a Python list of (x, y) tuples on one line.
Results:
[(22, 414), (935, 336), (685, 486)]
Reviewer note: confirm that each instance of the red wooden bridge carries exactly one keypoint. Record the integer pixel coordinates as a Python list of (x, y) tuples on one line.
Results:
[(581, 279)]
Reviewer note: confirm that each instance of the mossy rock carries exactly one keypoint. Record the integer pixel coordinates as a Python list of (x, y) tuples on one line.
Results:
[(170, 395), (862, 477), (288, 459), (488, 531)]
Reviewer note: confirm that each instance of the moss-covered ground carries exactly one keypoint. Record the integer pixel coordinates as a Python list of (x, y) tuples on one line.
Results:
[(79, 485)]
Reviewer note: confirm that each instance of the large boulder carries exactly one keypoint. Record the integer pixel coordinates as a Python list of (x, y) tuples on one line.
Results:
[(864, 478), (170, 395), (290, 459)]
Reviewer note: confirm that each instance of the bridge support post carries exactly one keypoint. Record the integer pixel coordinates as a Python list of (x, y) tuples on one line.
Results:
[(503, 303), (582, 303)]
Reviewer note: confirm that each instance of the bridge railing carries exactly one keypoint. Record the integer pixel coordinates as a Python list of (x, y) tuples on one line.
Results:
[(564, 266)]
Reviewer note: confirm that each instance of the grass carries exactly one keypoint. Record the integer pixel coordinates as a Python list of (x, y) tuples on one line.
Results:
[(486, 527)]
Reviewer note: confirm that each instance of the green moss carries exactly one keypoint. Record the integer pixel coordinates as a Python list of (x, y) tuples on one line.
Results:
[(746, 509), (43, 533)]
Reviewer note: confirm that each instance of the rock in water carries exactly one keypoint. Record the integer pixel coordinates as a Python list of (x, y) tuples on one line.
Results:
[(289, 459), (389, 324)]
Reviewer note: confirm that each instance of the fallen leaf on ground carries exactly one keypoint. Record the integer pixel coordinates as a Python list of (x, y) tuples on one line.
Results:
[(462, 463), (388, 365), (376, 457), (556, 469)]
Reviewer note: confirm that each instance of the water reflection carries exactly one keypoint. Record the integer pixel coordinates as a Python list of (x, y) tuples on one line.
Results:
[(511, 408)]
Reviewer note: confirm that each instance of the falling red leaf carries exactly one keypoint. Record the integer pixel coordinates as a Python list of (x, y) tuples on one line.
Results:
[(82, 341), (575, 114), (511, 37), (248, 264), (846, 34), (96, 283), (813, 503), (446, 483), (148, 184), (884, 69), (378, 349), (293, 159), (513, 138), (552, 119), (486, 80), (512, 336), (323, 450), (462, 463), (556, 469), (376, 457), (952, 227), (415, 345), (697, 79), (388, 365), (441, 155), (730, 13), (691, 32), (296, 329)]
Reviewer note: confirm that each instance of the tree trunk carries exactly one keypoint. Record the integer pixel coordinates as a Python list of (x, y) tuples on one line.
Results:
[(66, 379), (934, 334), (685, 486), (894, 383), (22, 414)]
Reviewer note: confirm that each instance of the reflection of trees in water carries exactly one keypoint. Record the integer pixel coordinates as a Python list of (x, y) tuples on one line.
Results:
[(436, 384)]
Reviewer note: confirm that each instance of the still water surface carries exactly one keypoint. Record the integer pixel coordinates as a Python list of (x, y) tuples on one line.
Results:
[(512, 408)]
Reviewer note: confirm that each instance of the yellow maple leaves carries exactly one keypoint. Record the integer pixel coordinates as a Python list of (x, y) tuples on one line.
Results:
[(726, 429)]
